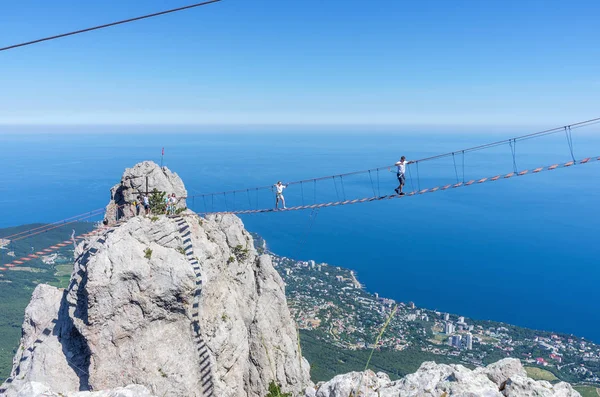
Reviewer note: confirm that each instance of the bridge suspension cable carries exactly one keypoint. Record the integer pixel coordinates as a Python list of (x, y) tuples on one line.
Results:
[(511, 141), (471, 182)]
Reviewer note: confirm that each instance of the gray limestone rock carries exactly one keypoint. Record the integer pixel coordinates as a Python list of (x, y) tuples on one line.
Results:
[(36, 389), (183, 306), (133, 183), (521, 386), (500, 371), (504, 378)]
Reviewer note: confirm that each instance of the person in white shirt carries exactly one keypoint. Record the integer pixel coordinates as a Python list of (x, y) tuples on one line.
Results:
[(172, 204), (400, 173), (146, 204), (279, 196)]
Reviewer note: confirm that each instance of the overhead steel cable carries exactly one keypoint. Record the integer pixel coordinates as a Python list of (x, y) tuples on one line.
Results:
[(156, 14), (463, 151), (49, 225)]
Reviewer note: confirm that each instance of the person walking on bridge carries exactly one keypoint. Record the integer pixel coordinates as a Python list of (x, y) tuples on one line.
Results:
[(400, 173), (279, 195)]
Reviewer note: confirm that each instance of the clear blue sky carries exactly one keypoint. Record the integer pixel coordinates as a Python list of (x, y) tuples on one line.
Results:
[(303, 62)]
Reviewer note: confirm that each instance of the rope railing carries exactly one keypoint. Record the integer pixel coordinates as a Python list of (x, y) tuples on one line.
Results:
[(510, 141), (419, 191)]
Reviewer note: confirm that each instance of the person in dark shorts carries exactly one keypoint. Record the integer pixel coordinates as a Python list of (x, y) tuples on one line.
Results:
[(400, 173), (279, 194), (138, 205), (146, 202)]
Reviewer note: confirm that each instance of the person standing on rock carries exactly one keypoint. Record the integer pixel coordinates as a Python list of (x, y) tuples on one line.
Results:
[(138, 205), (172, 204), (146, 202), (279, 195), (400, 174)]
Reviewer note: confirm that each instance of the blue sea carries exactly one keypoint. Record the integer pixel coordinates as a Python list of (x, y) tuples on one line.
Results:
[(522, 250)]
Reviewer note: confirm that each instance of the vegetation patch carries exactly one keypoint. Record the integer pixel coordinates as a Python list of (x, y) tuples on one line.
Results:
[(275, 391), (148, 253), (240, 253), (587, 391), (540, 374), (157, 202)]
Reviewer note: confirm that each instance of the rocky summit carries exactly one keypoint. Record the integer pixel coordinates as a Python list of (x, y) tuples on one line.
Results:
[(143, 178), (185, 306)]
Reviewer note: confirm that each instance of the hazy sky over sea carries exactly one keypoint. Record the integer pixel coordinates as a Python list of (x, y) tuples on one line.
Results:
[(311, 62)]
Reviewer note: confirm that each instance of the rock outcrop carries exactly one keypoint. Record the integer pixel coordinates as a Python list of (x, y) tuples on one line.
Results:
[(185, 307), (181, 306), (506, 378), (39, 389), (144, 176)]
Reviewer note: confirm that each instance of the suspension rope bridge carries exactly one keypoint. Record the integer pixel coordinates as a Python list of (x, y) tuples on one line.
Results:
[(340, 190), (229, 201), (586, 160)]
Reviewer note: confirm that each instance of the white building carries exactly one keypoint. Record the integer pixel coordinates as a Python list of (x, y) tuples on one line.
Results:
[(468, 341), (446, 316), (449, 328)]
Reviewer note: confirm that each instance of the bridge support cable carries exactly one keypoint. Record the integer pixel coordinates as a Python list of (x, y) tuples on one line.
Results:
[(513, 150), (455, 169), (418, 176), (463, 166), (372, 185), (410, 178), (343, 189), (302, 191), (337, 194), (569, 135)]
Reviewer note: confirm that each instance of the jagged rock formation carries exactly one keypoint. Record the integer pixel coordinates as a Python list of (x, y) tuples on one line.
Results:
[(39, 389), (133, 183), (506, 378), (182, 306)]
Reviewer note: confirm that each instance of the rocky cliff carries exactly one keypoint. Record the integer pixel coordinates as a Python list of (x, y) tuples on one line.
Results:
[(178, 306), (505, 378)]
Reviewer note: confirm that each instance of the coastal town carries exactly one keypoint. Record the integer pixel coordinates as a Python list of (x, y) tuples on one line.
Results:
[(330, 303)]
